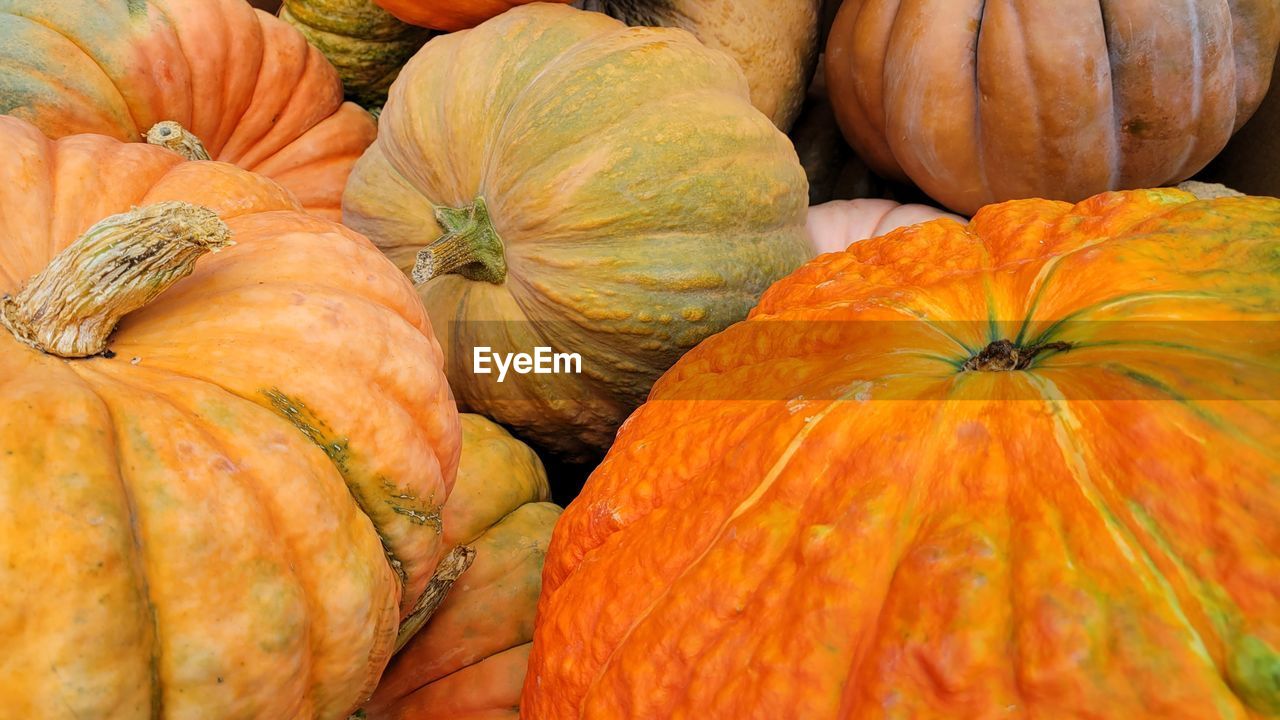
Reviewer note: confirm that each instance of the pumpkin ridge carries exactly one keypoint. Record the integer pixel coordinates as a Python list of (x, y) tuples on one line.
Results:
[(139, 562), (1124, 536), (124, 101), (765, 483)]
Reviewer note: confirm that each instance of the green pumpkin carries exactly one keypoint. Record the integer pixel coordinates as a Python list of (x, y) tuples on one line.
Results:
[(364, 42), (561, 180)]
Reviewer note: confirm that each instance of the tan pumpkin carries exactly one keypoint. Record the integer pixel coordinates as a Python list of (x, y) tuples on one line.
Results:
[(775, 41), (468, 663), (564, 197), (366, 44), (245, 86), (220, 474), (835, 225), (979, 102)]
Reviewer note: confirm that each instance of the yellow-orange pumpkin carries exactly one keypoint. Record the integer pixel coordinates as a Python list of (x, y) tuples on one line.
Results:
[(224, 507), (1021, 467), (244, 83), (469, 662), (564, 197)]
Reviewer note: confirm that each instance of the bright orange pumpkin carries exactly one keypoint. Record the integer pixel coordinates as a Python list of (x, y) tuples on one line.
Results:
[(1022, 467), (468, 663), (224, 507), (244, 83), (449, 15)]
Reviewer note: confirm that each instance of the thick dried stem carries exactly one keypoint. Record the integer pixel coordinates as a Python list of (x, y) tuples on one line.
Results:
[(447, 572), (469, 247), (171, 135), (117, 266)]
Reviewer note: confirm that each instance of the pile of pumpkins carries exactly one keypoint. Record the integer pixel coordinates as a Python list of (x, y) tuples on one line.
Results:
[(910, 386)]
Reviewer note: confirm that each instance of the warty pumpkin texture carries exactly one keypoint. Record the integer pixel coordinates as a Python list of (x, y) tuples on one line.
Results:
[(366, 44), (450, 15), (774, 41), (223, 508), (1022, 467), (468, 662), (979, 101), (547, 188), (245, 86)]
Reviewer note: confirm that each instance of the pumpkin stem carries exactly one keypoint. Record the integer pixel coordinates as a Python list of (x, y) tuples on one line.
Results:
[(1208, 191), (446, 574), (469, 247), (117, 266), (1003, 355), (171, 135)]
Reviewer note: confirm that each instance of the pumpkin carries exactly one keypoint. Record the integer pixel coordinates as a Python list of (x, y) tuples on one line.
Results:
[(1024, 466), (624, 251), (224, 507), (366, 44), (469, 661), (775, 41), (836, 225), (245, 86), (449, 15), (1059, 100)]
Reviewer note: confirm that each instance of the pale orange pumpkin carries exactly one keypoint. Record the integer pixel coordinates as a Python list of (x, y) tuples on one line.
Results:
[(835, 225), (242, 83), (224, 505)]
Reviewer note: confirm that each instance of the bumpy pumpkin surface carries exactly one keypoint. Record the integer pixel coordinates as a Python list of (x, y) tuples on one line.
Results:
[(226, 514), (860, 503), (549, 189), (979, 101), (469, 662), (450, 15), (366, 44), (247, 85), (775, 41)]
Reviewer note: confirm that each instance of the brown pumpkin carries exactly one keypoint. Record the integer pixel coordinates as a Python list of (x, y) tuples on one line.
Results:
[(244, 84), (468, 663), (978, 102), (223, 506), (774, 41)]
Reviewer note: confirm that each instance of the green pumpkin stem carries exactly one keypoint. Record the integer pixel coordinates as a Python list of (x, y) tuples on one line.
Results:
[(446, 574), (171, 135), (117, 266), (469, 247)]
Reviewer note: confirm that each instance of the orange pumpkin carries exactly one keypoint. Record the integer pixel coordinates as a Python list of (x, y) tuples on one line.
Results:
[(980, 102), (834, 226), (242, 83), (449, 15), (468, 663), (224, 507), (1025, 466)]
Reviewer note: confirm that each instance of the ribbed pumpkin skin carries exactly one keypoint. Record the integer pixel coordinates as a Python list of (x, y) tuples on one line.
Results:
[(469, 662), (174, 547), (834, 226), (248, 85), (775, 41), (628, 249), (366, 44), (1070, 540), (1056, 100), (450, 15)]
